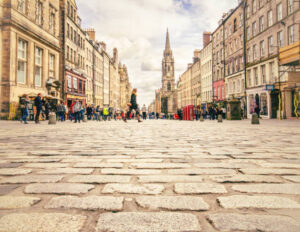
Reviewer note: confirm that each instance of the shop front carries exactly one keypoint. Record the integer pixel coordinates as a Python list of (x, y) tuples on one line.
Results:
[(259, 97), (75, 88)]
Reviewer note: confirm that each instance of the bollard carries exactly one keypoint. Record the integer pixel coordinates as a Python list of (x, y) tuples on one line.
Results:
[(84, 118), (220, 119), (52, 119), (254, 119), (201, 118)]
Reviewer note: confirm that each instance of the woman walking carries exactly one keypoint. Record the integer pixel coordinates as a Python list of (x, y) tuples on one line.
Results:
[(133, 105)]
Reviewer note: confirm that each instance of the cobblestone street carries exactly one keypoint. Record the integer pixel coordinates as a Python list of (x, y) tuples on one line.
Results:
[(155, 176)]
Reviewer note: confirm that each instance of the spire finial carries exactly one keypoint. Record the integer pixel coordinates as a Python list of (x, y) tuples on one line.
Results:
[(168, 40)]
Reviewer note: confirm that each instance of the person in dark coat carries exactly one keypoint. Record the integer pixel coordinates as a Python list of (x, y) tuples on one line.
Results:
[(39, 104), (133, 105)]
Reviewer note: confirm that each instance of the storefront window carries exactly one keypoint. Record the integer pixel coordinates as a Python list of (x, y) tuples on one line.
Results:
[(264, 104), (75, 84), (69, 83), (80, 86)]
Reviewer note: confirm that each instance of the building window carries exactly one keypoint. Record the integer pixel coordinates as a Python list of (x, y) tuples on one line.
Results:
[(22, 6), (52, 22), (71, 11), (68, 53), (254, 52), (238, 86), (68, 8), (254, 29), (22, 61), (71, 34), (248, 55), (256, 76), (263, 74), (279, 12), (270, 18), (241, 20), (270, 40), (39, 13), (75, 87), (247, 12), (249, 78), (51, 66), (291, 35), (280, 38), (261, 3), (38, 67), (271, 69), (254, 6), (290, 6), (69, 83), (261, 23), (262, 48), (248, 33)]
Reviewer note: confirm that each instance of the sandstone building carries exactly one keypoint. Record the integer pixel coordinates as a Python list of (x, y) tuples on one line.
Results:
[(30, 49)]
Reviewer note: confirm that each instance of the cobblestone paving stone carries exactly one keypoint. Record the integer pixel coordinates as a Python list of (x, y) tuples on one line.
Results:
[(162, 176)]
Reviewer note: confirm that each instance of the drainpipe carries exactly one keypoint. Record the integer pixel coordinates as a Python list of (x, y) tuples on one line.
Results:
[(63, 56), (245, 59)]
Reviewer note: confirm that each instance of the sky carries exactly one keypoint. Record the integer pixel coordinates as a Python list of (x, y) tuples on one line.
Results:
[(138, 29)]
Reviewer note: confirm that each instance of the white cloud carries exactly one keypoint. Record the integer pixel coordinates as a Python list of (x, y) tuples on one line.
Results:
[(138, 27)]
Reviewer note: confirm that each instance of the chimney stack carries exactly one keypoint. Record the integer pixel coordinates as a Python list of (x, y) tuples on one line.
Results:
[(206, 38), (91, 33)]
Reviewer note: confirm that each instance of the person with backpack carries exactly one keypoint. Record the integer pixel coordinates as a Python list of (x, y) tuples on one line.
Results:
[(24, 108)]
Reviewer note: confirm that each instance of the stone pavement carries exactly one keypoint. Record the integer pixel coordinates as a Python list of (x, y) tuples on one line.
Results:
[(157, 176)]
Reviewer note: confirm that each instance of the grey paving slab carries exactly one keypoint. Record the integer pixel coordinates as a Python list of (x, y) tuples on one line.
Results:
[(67, 171), (253, 222), (59, 188), (202, 171), (9, 165), (267, 171), (133, 188), (268, 188), (98, 165), (148, 222), (31, 179), (14, 171), (134, 160), (199, 188), (129, 171), (224, 165), (246, 179), (86, 203), (46, 165), (41, 222), (5, 189), (169, 178), (268, 202), (15, 202), (159, 165), (172, 203), (292, 178), (99, 179)]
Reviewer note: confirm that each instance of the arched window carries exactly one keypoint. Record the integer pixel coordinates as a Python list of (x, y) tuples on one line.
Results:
[(169, 86)]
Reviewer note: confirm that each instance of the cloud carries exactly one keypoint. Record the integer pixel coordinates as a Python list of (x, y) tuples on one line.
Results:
[(138, 29)]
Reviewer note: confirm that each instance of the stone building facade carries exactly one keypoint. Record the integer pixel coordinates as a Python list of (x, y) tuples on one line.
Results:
[(114, 84), (206, 74), (106, 76), (125, 87), (73, 41), (30, 51), (234, 56), (196, 79), (270, 25)]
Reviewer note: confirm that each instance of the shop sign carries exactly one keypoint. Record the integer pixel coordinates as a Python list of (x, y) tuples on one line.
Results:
[(269, 87)]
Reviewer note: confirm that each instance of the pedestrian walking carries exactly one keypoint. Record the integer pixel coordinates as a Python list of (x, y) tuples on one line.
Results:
[(38, 104), (24, 108), (60, 109), (133, 106), (47, 109), (76, 111), (144, 112), (105, 113)]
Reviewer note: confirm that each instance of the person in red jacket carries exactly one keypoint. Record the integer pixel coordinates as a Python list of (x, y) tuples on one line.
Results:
[(71, 111)]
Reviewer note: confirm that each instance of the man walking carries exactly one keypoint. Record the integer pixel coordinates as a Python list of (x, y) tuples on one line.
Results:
[(76, 110), (38, 104)]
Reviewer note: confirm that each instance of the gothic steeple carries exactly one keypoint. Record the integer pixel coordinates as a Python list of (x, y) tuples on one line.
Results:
[(168, 51)]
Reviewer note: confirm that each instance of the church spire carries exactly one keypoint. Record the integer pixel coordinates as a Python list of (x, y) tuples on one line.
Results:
[(168, 41)]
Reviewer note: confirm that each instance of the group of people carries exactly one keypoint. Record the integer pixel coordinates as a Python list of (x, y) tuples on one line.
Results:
[(76, 111)]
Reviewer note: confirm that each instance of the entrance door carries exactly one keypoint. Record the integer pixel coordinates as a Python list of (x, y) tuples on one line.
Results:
[(274, 103)]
